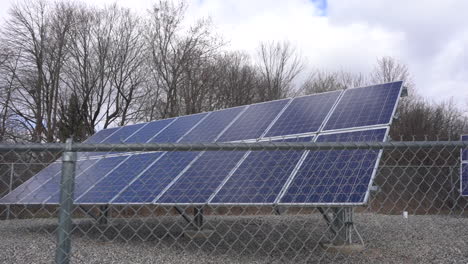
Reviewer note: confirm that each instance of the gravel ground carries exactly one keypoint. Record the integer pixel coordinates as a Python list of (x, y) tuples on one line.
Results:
[(259, 239)]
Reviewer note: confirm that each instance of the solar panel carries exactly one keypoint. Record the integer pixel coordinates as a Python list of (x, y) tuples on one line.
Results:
[(304, 114), (87, 178), (52, 187), (464, 179), (109, 186), (199, 182), (209, 129), (123, 133), (147, 186), (101, 135), (260, 177), (254, 121), (149, 131), (236, 177), (366, 106), (177, 129), (33, 183), (336, 176), (118, 136)]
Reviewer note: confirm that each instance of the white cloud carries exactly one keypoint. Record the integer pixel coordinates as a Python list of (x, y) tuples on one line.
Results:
[(434, 42), (430, 36)]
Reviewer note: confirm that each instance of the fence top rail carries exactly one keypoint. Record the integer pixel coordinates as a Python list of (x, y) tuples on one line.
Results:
[(257, 146)]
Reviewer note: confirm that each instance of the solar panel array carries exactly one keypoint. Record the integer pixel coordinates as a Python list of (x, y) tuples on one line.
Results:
[(236, 177), (464, 169)]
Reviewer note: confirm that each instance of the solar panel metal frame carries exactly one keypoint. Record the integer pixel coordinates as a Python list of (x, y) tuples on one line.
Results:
[(461, 167), (366, 197), (315, 134), (368, 126)]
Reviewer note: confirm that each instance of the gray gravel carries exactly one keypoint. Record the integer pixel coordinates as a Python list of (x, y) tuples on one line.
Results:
[(259, 239)]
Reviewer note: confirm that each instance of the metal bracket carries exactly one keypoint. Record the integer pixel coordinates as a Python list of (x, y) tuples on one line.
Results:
[(88, 212), (341, 225), (196, 221), (404, 91)]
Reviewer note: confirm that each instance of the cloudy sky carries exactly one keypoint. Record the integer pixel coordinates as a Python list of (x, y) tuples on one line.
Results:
[(430, 36)]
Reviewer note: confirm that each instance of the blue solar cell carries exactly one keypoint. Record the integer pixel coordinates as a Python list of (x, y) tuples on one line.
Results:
[(336, 176), (177, 129), (101, 135), (153, 181), (254, 121), (117, 137), (123, 133), (465, 151), (212, 125), (90, 176), (261, 176), (52, 186), (372, 105), (304, 114), (149, 131), (202, 178), (32, 184), (464, 179), (108, 187)]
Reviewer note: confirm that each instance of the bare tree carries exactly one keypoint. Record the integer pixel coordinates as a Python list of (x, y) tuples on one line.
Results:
[(105, 66), (175, 52), (322, 81), (239, 80), (422, 120), (126, 67), (388, 69), (279, 65), (38, 31)]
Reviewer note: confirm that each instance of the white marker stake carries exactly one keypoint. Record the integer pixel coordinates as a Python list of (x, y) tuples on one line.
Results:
[(405, 214)]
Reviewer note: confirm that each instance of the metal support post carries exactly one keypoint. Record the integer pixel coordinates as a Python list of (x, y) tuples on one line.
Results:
[(66, 205), (103, 215), (343, 225), (181, 211), (198, 217)]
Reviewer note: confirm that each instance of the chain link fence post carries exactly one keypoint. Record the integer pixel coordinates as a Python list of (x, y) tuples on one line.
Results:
[(66, 205)]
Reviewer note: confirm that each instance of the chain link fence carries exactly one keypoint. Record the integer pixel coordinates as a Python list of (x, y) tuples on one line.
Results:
[(266, 202)]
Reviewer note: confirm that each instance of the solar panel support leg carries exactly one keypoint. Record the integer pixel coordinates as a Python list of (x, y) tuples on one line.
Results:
[(343, 225), (67, 186), (103, 215), (198, 217)]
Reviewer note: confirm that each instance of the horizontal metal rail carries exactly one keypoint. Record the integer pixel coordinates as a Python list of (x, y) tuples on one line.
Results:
[(257, 146)]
